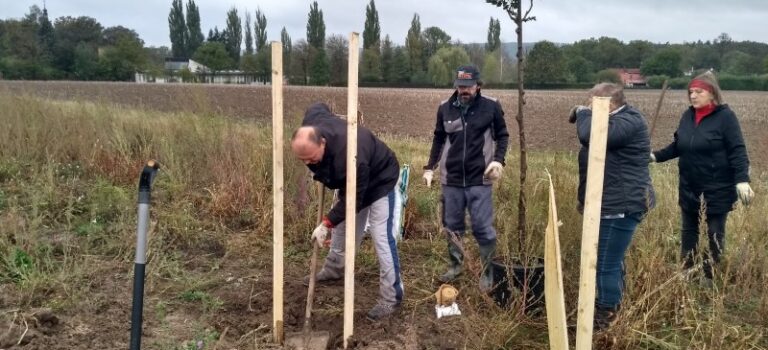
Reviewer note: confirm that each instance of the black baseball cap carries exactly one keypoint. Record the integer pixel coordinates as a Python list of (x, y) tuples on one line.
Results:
[(466, 75)]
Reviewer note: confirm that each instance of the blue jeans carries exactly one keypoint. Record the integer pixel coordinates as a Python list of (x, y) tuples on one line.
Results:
[(615, 237)]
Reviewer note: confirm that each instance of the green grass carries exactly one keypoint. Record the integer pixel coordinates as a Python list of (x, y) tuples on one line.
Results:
[(68, 175)]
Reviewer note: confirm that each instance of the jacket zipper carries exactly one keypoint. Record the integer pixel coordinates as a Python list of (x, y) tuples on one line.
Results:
[(464, 150)]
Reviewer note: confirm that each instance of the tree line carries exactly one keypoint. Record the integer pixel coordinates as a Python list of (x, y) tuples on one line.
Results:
[(80, 48), (592, 60), (76, 48)]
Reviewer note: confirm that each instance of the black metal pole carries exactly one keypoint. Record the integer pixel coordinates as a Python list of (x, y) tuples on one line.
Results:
[(145, 190)]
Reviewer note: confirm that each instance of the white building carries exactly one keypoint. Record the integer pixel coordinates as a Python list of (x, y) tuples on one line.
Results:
[(191, 71)]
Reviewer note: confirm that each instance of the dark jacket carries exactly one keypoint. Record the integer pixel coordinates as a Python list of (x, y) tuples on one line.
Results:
[(713, 159), (377, 166), (467, 139), (627, 187)]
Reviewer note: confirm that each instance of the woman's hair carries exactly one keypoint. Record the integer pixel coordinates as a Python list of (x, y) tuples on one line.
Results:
[(614, 91), (710, 79)]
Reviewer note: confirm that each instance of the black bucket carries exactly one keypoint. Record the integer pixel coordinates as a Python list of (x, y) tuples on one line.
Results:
[(530, 279), (501, 292), (534, 288)]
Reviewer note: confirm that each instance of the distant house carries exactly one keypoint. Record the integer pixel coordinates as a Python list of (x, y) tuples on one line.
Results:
[(191, 71), (175, 65), (631, 77)]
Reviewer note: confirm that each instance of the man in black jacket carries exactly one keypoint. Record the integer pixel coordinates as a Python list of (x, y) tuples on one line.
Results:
[(469, 145), (321, 143)]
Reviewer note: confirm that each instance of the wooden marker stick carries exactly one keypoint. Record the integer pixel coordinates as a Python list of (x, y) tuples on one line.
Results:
[(351, 205), (277, 190), (591, 225), (553, 283)]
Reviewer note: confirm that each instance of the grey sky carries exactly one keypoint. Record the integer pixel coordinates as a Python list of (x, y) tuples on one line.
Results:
[(562, 21)]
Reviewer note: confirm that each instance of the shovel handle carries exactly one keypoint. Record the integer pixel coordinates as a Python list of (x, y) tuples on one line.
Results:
[(313, 264), (145, 190)]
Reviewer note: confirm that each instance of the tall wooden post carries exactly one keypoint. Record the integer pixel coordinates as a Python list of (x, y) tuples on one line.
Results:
[(591, 225), (349, 256), (277, 189)]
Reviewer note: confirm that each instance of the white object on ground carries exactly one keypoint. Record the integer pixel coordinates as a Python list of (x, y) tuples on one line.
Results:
[(451, 310)]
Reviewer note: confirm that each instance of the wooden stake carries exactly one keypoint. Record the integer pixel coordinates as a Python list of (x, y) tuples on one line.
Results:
[(277, 189), (553, 283), (658, 108), (591, 225), (349, 256)]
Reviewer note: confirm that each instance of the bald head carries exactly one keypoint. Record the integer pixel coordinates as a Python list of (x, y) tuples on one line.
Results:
[(308, 145)]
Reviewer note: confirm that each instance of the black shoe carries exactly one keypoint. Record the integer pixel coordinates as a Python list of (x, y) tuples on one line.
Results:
[(604, 318), (381, 311)]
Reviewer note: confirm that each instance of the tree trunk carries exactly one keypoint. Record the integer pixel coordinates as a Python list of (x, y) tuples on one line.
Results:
[(521, 204)]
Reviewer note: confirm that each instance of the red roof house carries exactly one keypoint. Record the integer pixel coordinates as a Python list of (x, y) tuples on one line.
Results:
[(631, 77)]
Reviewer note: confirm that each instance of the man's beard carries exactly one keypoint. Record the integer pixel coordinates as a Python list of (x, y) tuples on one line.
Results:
[(465, 98)]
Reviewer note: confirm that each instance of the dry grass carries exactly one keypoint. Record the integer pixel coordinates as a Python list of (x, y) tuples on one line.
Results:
[(67, 226)]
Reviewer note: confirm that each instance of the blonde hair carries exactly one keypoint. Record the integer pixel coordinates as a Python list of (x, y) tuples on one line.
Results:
[(710, 78)]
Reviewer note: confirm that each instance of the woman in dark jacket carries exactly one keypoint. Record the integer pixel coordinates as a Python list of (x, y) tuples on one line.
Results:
[(713, 165), (627, 192)]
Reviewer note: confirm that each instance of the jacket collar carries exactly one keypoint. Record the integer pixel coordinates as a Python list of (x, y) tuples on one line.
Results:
[(454, 99), (618, 110), (718, 108)]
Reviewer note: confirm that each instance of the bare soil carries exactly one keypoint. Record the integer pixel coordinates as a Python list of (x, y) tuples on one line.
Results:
[(242, 282)]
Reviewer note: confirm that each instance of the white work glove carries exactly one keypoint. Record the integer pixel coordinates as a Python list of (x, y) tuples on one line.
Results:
[(652, 158), (319, 234), (428, 174), (745, 192), (493, 171)]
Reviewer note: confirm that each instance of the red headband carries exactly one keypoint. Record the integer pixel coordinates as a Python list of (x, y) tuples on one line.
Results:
[(701, 84)]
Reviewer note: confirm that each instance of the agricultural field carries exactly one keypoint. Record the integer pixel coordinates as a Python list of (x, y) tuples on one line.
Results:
[(71, 153), (401, 112)]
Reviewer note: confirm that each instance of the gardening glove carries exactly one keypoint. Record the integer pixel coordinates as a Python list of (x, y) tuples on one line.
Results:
[(652, 158), (572, 114), (321, 232), (745, 192), (493, 171), (428, 174)]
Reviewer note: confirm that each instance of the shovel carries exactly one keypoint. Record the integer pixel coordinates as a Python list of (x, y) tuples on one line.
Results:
[(145, 191), (307, 339)]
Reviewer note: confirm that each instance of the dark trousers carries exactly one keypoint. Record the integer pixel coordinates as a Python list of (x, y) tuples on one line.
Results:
[(615, 237), (690, 239), (478, 200)]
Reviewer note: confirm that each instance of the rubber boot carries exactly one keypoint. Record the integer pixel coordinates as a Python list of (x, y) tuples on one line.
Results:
[(455, 257), (487, 252)]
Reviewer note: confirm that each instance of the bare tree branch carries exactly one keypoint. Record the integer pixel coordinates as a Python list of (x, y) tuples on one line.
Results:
[(526, 18)]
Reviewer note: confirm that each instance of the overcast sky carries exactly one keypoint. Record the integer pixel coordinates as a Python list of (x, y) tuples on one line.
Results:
[(563, 21)]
